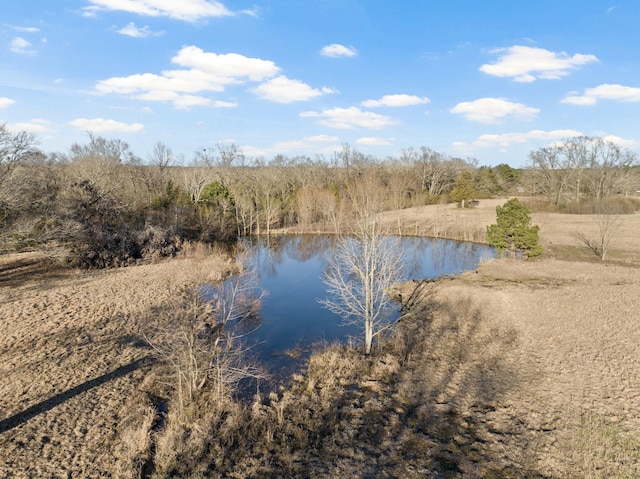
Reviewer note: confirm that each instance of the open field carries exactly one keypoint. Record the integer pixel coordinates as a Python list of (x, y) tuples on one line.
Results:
[(559, 233), (516, 370)]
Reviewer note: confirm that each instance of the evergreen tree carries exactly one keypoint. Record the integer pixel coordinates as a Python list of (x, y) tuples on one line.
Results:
[(464, 189), (513, 231)]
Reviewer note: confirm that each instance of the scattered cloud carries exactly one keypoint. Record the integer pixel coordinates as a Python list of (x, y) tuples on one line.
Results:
[(526, 64), (36, 125), (348, 118), (319, 144), (185, 10), (27, 29), (21, 46), (131, 30), (335, 50), (184, 102), (504, 140), (396, 101), (604, 92), (6, 102), (321, 138), (374, 141), (102, 125), (285, 90), (622, 142), (202, 72), (494, 110)]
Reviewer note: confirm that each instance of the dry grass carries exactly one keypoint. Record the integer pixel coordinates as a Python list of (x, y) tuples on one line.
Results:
[(516, 370)]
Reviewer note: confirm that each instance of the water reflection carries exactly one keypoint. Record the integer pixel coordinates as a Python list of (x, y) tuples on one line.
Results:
[(289, 269)]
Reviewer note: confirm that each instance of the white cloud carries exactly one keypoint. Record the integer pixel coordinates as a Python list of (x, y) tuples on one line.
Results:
[(494, 110), (6, 102), (321, 138), (21, 46), (347, 118), (204, 71), (374, 141), (131, 30), (396, 101), (228, 68), (285, 146), (187, 101), (186, 10), (622, 142), (102, 125), (525, 64), (318, 144), (36, 125), (27, 29), (604, 92), (329, 91), (493, 140), (336, 50), (284, 90)]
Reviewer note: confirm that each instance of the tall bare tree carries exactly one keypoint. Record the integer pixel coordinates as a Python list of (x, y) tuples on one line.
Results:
[(361, 270), (578, 165), (609, 168)]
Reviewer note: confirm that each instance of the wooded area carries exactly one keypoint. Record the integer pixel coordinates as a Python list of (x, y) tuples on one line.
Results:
[(107, 206)]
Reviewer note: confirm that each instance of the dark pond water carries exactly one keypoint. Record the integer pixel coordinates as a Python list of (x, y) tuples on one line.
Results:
[(289, 269)]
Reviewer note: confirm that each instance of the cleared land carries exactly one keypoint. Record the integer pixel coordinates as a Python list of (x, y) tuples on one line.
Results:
[(516, 370)]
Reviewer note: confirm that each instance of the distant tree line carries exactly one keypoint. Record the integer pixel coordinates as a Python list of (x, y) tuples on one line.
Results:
[(109, 207)]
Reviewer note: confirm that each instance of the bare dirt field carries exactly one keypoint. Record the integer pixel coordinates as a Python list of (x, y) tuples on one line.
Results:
[(565, 380), (72, 362)]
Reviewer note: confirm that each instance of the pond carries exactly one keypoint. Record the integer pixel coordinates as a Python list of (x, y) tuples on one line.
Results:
[(289, 269)]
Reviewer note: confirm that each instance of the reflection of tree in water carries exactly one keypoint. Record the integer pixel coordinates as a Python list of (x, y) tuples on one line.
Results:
[(265, 254), (425, 256), (268, 253), (306, 247), (415, 255)]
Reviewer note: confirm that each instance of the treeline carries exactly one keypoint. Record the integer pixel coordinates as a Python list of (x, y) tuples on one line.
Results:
[(107, 206)]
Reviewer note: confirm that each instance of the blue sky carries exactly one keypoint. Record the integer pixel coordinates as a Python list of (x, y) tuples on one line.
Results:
[(490, 80)]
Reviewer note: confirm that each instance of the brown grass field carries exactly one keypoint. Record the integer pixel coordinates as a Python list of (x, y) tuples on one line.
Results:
[(518, 369)]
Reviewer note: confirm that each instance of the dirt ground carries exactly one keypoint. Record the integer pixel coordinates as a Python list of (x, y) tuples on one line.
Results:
[(72, 360), (72, 364)]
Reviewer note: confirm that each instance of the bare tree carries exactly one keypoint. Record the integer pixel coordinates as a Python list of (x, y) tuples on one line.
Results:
[(15, 149), (582, 164), (435, 171), (552, 172), (201, 337), (609, 168), (607, 223), (101, 162), (162, 157), (360, 272), (195, 180)]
